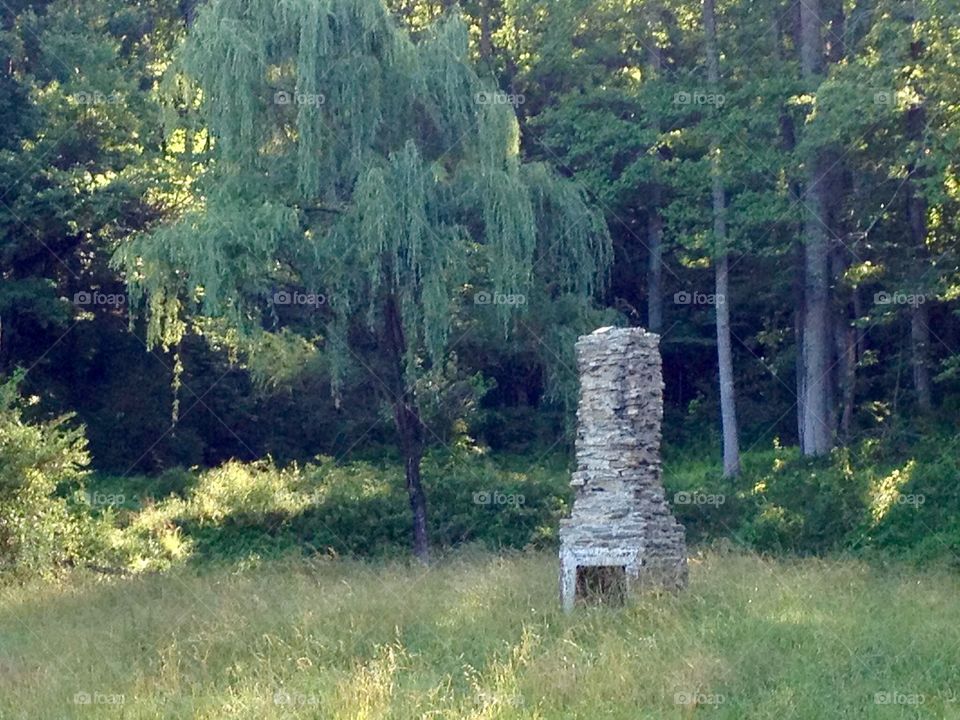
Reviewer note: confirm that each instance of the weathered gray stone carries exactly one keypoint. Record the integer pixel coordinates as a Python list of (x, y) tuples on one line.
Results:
[(620, 517)]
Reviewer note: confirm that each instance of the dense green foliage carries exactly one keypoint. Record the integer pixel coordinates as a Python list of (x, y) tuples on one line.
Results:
[(37, 529), (285, 283), (49, 519), (215, 159), (862, 501), (239, 512)]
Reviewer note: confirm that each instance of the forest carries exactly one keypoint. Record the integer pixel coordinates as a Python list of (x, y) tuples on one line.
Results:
[(289, 296)]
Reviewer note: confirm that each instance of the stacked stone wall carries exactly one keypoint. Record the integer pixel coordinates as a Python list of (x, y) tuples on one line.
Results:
[(620, 516)]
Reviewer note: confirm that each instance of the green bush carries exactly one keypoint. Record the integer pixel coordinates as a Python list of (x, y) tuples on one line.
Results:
[(804, 506), (855, 499), (895, 498), (240, 510), (40, 463), (476, 499), (781, 502), (915, 508), (48, 520)]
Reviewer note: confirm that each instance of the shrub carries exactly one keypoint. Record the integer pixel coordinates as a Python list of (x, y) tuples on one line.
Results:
[(904, 500), (47, 520), (38, 531), (241, 510), (915, 509), (804, 505), (781, 503), (475, 499)]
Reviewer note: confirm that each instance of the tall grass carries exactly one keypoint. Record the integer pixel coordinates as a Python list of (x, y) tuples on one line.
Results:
[(481, 636)]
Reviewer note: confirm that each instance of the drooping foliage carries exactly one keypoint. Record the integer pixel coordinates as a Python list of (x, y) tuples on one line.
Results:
[(367, 169), (353, 164)]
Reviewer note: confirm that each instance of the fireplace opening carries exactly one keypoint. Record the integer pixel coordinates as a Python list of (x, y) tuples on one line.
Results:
[(602, 584)]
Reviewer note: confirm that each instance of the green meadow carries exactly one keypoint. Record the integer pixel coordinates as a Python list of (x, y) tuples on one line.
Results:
[(482, 636)]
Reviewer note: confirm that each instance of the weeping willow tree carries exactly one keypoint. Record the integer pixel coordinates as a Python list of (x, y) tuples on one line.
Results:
[(350, 163)]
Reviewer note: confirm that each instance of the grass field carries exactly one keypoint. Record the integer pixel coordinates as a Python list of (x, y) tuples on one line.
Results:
[(481, 636)]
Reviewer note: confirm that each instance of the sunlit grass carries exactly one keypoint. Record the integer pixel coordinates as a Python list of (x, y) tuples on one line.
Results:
[(481, 636)]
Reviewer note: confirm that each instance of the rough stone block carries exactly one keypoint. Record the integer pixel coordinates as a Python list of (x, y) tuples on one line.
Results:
[(620, 517)]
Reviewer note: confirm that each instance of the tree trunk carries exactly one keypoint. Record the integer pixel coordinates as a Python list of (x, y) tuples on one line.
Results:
[(816, 430), (655, 266), (728, 397), (917, 219), (654, 220), (920, 350), (846, 341), (788, 143), (728, 406), (411, 439), (406, 416), (816, 336), (486, 41)]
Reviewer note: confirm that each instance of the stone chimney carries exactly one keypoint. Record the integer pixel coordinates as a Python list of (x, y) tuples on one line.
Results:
[(621, 535)]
